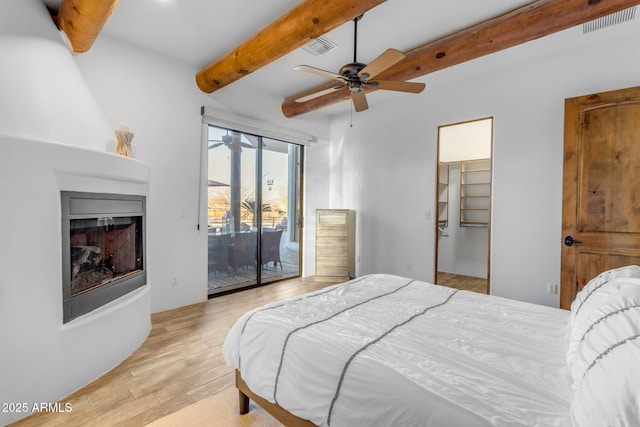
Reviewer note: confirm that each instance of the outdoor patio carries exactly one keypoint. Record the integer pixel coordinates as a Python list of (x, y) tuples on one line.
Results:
[(219, 281)]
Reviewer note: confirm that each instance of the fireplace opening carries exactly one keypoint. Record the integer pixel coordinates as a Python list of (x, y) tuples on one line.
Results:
[(102, 249)]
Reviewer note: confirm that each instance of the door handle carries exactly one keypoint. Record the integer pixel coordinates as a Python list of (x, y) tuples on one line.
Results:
[(569, 241)]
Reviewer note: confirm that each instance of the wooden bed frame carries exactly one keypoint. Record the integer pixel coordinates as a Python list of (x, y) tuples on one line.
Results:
[(277, 411)]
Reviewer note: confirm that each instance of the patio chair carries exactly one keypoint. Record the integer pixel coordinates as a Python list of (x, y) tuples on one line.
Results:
[(218, 253), (271, 247), (242, 251)]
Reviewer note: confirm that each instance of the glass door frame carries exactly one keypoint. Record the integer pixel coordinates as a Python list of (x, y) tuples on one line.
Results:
[(293, 165)]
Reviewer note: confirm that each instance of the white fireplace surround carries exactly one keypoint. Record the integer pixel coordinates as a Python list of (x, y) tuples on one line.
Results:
[(42, 359), (53, 137)]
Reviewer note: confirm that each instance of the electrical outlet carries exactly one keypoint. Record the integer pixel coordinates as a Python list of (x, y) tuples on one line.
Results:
[(408, 267), (552, 288), (174, 281)]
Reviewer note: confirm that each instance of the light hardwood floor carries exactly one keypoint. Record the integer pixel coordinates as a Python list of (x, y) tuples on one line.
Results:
[(458, 281), (179, 364)]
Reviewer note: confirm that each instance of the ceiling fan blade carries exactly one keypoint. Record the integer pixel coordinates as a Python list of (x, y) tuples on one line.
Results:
[(215, 145), (318, 94), (245, 145), (320, 72), (359, 101), (411, 87), (385, 60)]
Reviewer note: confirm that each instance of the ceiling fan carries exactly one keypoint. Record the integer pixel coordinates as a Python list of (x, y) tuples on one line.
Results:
[(356, 76), (229, 140)]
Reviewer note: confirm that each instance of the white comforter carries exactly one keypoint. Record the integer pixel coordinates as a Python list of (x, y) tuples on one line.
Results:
[(384, 350)]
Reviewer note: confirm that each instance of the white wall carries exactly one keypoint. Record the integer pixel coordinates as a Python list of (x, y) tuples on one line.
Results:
[(157, 97), (53, 138), (384, 167), (160, 103), (40, 86), (316, 196)]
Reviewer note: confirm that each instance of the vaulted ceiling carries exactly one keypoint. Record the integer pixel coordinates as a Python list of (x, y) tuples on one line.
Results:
[(202, 32)]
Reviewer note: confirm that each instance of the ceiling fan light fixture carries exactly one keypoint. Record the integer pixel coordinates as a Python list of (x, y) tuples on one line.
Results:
[(355, 76)]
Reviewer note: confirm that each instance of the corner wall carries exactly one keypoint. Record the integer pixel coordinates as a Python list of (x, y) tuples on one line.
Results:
[(41, 359)]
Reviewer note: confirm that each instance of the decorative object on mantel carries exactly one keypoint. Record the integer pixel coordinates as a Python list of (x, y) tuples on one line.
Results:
[(124, 141)]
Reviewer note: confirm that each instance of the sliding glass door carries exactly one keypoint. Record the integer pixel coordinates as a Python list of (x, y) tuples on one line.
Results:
[(281, 210), (253, 210)]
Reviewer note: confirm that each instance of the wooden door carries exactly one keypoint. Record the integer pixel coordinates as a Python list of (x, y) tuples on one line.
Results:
[(601, 189)]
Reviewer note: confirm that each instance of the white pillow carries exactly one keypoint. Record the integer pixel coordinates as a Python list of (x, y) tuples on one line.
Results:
[(609, 393), (616, 319), (600, 288), (604, 351), (594, 295)]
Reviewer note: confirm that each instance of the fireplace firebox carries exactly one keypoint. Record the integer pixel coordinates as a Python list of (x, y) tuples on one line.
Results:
[(103, 239)]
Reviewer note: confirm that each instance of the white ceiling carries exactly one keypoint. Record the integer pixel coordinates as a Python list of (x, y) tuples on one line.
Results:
[(198, 32)]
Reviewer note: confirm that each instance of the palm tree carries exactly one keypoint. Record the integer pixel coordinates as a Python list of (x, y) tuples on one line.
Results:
[(249, 205)]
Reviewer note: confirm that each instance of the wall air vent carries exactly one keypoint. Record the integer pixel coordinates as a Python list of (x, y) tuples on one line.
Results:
[(319, 46), (609, 20)]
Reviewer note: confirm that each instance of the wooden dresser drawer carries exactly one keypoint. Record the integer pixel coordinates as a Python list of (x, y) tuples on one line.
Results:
[(335, 255)]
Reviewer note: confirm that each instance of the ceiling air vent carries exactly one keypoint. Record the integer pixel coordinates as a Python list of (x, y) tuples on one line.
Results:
[(609, 20), (319, 46)]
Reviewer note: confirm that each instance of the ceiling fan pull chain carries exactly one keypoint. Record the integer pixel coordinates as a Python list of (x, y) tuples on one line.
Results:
[(351, 114)]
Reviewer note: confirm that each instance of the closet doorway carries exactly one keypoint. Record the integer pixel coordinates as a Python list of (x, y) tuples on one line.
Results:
[(463, 233), (253, 210)]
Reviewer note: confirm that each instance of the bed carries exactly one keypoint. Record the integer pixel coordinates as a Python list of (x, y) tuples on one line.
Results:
[(384, 350)]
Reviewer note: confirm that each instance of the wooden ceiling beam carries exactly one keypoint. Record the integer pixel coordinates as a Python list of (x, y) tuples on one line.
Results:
[(305, 22), (537, 19), (82, 21)]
